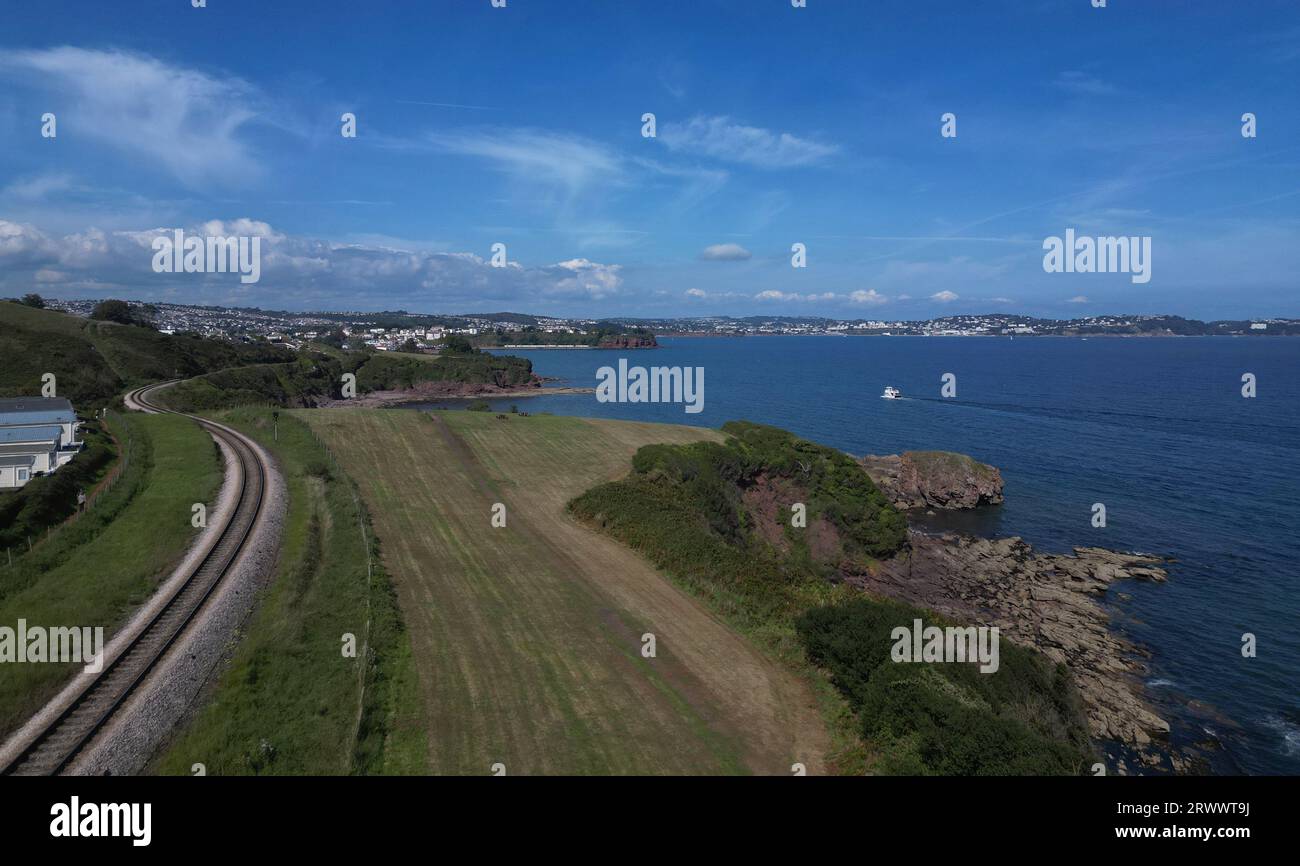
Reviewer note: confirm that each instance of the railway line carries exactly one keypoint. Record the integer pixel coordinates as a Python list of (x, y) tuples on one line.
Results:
[(53, 748)]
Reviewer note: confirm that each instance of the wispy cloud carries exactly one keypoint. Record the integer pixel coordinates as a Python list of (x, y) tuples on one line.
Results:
[(564, 162), (1084, 84), (37, 188), (446, 105), (722, 138), (187, 121)]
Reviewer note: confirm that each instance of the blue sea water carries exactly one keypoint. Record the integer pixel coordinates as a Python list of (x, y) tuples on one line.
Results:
[(1155, 429)]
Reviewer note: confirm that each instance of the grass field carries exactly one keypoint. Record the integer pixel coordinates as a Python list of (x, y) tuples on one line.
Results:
[(290, 702), (96, 570), (94, 361), (527, 639)]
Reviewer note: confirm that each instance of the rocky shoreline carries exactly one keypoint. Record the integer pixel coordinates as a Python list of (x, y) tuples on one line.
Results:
[(1050, 602)]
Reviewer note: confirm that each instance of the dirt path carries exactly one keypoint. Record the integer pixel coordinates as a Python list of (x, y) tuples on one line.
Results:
[(528, 637)]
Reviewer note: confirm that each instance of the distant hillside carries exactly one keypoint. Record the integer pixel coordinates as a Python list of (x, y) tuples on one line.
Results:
[(315, 377), (95, 361)]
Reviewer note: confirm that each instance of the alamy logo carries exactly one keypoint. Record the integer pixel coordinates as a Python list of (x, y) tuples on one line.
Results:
[(56, 644), (656, 385), (131, 820), (179, 254), (951, 644), (1102, 255)]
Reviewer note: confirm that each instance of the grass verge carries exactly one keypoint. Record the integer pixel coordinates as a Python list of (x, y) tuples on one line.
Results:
[(96, 570), (290, 702)]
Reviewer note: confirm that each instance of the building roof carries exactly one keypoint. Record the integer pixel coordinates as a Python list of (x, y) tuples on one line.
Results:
[(30, 434), (35, 410), (20, 462), (27, 449)]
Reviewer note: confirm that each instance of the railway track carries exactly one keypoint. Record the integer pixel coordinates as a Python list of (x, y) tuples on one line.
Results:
[(54, 747)]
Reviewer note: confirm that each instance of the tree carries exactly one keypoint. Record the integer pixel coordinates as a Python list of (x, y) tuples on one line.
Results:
[(457, 344), (113, 310), (410, 346), (34, 300)]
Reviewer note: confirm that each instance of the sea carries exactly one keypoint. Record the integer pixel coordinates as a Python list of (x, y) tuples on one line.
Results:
[(1158, 430)]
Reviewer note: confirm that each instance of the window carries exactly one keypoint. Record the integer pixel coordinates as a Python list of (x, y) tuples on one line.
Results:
[(22, 474)]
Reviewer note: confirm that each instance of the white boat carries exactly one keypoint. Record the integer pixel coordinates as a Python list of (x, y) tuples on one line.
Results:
[(891, 393)]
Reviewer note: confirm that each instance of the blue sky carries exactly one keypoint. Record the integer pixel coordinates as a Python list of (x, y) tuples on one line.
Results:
[(776, 126)]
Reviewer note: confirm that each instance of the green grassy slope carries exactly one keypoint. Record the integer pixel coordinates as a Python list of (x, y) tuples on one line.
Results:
[(318, 376), (97, 569), (527, 637), (290, 702), (94, 362)]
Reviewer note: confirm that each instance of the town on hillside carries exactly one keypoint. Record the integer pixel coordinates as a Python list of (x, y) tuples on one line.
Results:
[(401, 330)]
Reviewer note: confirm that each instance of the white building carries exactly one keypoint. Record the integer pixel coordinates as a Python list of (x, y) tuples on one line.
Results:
[(37, 436)]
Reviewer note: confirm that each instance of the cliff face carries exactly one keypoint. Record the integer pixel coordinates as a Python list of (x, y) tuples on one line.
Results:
[(934, 479), (628, 341)]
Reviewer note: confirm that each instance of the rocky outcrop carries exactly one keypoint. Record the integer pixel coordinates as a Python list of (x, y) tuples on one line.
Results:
[(934, 479), (1044, 601)]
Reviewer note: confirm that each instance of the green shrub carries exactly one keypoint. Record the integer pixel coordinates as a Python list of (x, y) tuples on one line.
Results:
[(947, 718)]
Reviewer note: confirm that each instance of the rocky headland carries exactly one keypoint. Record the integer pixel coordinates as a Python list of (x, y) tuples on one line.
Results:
[(1051, 602), (934, 479)]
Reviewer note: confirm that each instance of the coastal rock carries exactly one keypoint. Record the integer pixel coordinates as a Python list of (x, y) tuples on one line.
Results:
[(1048, 602), (934, 479)]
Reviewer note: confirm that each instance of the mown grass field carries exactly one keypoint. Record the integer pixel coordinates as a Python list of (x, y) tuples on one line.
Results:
[(527, 639), (98, 569), (289, 702)]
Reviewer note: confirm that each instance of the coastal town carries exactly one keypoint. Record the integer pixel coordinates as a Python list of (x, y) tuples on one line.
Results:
[(398, 330)]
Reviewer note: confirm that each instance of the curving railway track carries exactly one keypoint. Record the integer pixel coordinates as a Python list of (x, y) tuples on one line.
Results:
[(54, 747)]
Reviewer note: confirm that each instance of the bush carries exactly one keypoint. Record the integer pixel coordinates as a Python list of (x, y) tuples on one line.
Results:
[(947, 718)]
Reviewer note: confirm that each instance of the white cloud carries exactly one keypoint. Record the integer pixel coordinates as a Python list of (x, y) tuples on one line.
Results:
[(722, 138), (186, 121), (725, 253), (1078, 299), (944, 297), (313, 273), (696, 293), (871, 296), (773, 295)]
